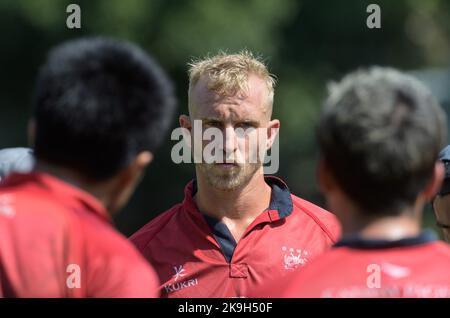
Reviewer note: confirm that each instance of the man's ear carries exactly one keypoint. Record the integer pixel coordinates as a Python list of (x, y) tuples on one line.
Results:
[(141, 161), (325, 179), (272, 131), (185, 122), (136, 168), (125, 183), (434, 202), (31, 132), (435, 182)]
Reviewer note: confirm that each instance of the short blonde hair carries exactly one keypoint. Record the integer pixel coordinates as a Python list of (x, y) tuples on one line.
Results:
[(227, 74)]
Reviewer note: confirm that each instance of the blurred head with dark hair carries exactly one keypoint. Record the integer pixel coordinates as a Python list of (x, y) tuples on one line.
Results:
[(101, 108), (380, 133)]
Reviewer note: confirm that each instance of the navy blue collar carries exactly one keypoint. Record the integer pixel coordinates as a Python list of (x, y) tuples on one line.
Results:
[(356, 241), (280, 201), (222, 235)]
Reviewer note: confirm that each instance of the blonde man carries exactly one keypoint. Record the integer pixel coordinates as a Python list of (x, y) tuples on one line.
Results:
[(236, 227)]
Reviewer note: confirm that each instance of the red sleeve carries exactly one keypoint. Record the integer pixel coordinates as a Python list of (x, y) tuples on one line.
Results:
[(116, 268), (122, 278), (34, 251), (325, 219)]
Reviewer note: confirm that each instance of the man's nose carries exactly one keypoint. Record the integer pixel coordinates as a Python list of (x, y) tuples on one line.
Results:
[(230, 140)]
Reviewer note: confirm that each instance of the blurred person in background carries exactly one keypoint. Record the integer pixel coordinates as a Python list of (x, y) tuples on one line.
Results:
[(236, 227), (101, 107), (15, 160), (441, 203), (380, 133)]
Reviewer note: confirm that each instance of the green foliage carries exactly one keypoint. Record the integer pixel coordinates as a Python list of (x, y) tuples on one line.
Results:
[(306, 43)]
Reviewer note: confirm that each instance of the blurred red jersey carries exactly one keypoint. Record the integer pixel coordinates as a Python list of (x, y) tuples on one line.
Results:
[(57, 241), (196, 255), (358, 268)]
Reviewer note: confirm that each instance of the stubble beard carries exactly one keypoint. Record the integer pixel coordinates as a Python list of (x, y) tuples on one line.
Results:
[(228, 179)]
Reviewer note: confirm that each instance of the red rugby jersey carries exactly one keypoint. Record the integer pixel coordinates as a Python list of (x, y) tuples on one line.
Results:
[(196, 256), (57, 241), (361, 268)]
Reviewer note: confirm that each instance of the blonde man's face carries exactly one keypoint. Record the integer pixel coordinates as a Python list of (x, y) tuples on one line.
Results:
[(248, 111)]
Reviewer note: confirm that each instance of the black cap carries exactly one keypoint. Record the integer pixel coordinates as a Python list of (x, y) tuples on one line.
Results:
[(15, 160), (444, 156)]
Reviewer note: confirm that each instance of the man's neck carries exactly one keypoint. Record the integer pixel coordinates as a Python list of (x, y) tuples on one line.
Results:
[(74, 179), (403, 225), (237, 208)]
